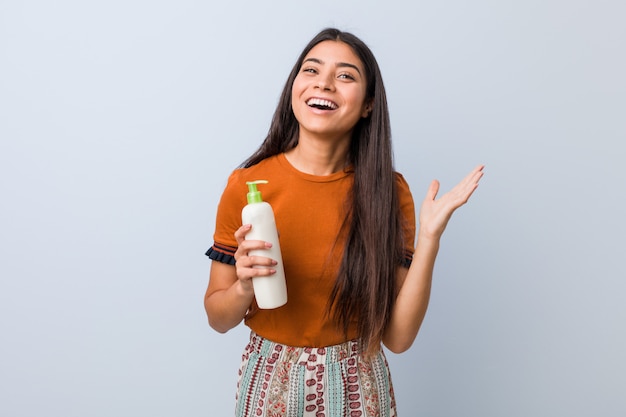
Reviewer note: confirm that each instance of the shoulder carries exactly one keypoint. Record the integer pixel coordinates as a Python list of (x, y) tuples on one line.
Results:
[(266, 168), (234, 199), (405, 197), (401, 184)]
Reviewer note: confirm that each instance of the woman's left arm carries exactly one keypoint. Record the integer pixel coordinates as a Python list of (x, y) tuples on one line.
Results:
[(415, 283)]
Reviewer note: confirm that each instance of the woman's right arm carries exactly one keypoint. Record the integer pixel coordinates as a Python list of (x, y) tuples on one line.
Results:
[(230, 293)]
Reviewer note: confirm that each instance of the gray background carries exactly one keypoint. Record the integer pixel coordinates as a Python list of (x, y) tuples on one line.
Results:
[(121, 120)]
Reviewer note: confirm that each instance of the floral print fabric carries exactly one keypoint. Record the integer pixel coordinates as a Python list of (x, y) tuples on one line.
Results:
[(336, 381)]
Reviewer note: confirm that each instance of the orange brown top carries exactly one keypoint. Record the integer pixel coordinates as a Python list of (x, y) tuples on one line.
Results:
[(309, 213)]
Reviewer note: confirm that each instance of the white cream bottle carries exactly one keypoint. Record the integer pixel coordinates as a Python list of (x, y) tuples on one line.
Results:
[(270, 291)]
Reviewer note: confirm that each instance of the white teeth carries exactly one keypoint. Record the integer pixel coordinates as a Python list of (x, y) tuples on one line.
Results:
[(322, 103)]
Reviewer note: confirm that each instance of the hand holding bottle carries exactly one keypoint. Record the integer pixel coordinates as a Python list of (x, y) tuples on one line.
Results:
[(245, 264)]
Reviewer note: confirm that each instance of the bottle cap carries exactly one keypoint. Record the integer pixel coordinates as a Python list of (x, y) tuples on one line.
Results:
[(254, 195)]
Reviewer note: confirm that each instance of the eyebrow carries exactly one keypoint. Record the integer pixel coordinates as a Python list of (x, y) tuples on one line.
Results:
[(339, 64)]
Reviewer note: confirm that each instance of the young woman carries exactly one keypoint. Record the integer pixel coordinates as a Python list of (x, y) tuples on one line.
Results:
[(347, 229)]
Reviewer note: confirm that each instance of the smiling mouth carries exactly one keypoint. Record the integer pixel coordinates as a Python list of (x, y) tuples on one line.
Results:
[(321, 104)]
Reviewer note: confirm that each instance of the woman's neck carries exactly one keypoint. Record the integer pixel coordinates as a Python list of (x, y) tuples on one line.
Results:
[(318, 157)]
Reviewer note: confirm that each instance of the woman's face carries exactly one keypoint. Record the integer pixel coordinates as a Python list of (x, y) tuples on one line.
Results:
[(328, 94)]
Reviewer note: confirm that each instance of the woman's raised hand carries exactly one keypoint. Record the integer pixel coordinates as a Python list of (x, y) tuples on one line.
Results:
[(245, 264), (435, 213)]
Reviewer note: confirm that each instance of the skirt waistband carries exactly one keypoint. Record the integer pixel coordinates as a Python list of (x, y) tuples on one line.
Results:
[(276, 352)]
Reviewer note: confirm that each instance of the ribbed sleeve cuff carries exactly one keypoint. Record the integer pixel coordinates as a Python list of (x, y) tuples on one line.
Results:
[(222, 253)]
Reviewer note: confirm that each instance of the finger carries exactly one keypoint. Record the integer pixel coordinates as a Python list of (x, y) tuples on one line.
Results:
[(241, 233), (248, 245), (473, 176), (246, 275), (470, 182), (245, 246), (433, 189), (254, 266), (260, 261), (261, 272), (476, 174)]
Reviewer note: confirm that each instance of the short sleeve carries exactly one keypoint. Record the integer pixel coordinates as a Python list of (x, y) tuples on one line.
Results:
[(407, 210), (228, 220)]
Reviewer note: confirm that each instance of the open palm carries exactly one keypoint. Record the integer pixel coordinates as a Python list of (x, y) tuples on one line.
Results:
[(435, 213)]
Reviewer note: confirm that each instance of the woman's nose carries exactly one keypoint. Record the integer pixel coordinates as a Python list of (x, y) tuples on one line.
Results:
[(325, 83)]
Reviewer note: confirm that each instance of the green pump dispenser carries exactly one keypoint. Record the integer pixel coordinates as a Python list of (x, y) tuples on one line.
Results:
[(254, 195)]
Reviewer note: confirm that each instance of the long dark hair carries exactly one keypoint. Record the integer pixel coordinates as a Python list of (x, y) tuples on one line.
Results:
[(365, 289)]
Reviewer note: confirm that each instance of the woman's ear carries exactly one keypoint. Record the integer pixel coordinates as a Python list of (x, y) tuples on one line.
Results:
[(367, 109)]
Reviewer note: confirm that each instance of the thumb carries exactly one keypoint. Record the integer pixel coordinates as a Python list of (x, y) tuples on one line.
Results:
[(432, 190)]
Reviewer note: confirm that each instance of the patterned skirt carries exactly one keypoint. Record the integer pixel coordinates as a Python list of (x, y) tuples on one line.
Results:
[(335, 381)]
